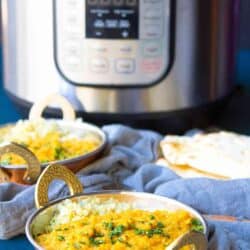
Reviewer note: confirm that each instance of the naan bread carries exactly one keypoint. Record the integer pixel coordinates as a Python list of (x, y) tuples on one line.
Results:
[(223, 154), (189, 172)]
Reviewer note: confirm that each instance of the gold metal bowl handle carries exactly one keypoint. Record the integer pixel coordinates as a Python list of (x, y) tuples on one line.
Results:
[(53, 172), (4, 176), (33, 165), (67, 109), (191, 238)]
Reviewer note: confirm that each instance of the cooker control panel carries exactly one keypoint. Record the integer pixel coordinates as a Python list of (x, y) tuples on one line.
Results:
[(112, 42)]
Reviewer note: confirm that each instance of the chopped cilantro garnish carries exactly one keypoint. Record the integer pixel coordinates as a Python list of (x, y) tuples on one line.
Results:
[(196, 225), (152, 217), (160, 225), (95, 242), (99, 235), (157, 231), (139, 231), (61, 238), (117, 231), (59, 153), (120, 239), (149, 232), (108, 225)]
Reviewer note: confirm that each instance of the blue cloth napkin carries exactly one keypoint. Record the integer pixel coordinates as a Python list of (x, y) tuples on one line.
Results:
[(129, 164)]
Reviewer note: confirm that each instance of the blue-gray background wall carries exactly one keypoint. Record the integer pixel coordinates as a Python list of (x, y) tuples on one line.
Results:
[(9, 113), (243, 55)]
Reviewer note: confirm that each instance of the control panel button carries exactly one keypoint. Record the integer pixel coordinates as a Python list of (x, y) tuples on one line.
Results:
[(153, 14), (104, 2), (99, 65), (72, 19), (125, 66), (152, 49), (92, 2), (72, 48), (124, 24), (152, 1), (151, 66), (99, 23), (131, 2), (71, 13), (125, 33), (98, 48), (70, 4), (72, 62), (111, 24), (126, 49), (152, 31), (73, 30)]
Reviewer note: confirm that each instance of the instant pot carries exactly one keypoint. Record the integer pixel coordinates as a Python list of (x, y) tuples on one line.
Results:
[(161, 64)]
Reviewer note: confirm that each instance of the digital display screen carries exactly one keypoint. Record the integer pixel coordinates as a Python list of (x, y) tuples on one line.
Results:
[(112, 19)]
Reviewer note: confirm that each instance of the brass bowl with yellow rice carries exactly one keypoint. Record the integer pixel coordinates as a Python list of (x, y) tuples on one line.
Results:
[(72, 143), (117, 220), (113, 220)]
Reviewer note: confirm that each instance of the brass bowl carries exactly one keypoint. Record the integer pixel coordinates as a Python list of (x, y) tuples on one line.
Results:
[(141, 200), (28, 174)]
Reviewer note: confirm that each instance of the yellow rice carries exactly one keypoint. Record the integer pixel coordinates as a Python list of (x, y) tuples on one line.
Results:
[(47, 140)]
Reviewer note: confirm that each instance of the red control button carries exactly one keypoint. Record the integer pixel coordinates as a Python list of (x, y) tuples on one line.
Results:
[(151, 65)]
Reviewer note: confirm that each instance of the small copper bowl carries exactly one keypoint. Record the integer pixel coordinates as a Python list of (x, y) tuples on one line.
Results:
[(41, 217), (28, 174)]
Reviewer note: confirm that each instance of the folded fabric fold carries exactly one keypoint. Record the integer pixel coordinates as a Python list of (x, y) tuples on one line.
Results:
[(130, 162)]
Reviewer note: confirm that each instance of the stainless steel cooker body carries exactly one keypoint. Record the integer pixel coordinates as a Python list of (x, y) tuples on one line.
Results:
[(120, 56)]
